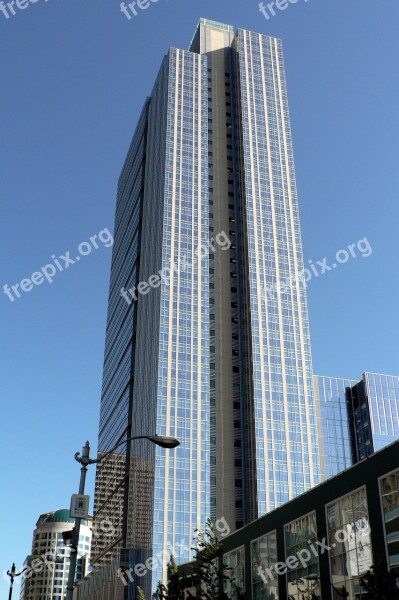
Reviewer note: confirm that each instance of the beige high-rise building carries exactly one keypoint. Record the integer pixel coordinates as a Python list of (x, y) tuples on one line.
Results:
[(47, 566)]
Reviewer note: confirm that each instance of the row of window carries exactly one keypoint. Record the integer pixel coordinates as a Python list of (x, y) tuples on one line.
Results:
[(349, 542)]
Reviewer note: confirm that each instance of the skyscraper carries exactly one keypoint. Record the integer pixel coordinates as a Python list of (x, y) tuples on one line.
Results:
[(207, 332)]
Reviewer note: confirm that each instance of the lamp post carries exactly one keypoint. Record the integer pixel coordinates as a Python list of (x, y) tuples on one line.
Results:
[(12, 575), (85, 460), (343, 593)]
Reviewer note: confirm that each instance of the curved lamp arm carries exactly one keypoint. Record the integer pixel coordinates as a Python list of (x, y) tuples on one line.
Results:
[(159, 440), (12, 574)]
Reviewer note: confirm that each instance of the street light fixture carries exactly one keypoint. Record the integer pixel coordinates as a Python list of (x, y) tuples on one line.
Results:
[(85, 460), (163, 441)]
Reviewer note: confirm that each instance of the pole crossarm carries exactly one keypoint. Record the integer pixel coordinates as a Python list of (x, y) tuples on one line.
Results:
[(12, 574)]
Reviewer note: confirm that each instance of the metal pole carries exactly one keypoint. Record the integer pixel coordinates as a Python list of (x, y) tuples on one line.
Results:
[(12, 575), (11, 582), (84, 460)]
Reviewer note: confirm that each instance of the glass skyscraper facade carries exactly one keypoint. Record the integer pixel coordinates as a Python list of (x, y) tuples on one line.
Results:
[(172, 358), (207, 333), (281, 397), (156, 369), (264, 444), (120, 342)]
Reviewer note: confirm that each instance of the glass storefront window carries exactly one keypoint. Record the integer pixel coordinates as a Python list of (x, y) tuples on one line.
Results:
[(302, 579), (234, 563), (389, 489), (263, 560), (349, 539)]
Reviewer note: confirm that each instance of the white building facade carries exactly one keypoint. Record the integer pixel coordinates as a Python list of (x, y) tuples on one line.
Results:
[(47, 567)]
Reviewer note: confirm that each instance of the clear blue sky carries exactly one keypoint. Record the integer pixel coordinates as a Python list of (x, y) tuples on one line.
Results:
[(74, 74)]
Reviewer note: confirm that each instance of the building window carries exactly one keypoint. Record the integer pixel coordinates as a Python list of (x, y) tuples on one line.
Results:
[(389, 488), (234, 563), (349, 540), (299, 535), (263, 559)]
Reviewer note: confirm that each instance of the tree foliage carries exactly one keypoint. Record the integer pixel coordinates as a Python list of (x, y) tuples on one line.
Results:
[(205, 571), (140, 594), (175, 588), (380, 584), (209, 571), (160, 593)]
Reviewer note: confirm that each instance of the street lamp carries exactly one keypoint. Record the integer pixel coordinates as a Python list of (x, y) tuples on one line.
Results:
[(85, 460), (343, 593), (12, 575)]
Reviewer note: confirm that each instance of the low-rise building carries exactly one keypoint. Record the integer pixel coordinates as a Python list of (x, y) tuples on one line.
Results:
[(324, 539)]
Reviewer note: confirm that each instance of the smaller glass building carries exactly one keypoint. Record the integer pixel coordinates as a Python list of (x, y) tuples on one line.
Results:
[(333, 424), (373, 409), (355, 418)]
